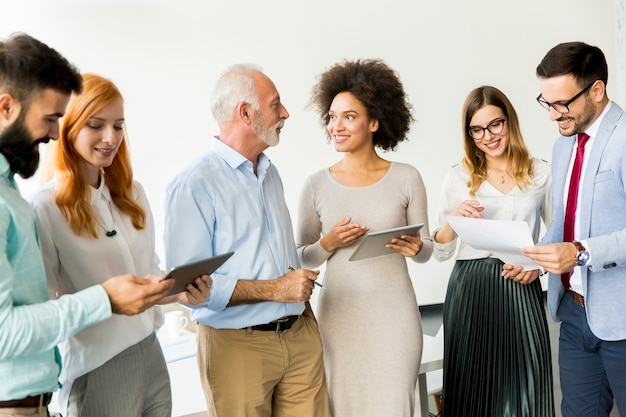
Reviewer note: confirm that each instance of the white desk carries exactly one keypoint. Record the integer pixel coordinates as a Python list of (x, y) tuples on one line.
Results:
[(432, 359), (180, 354)]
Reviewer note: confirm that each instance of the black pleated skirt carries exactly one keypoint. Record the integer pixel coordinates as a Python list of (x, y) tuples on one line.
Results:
[(497, 359)]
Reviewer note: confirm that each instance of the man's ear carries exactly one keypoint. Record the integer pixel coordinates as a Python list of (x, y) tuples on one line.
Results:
[(598, 91), (9, 110), (243, 110)]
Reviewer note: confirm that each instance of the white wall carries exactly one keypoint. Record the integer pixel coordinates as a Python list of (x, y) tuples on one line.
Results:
[(166, 55)]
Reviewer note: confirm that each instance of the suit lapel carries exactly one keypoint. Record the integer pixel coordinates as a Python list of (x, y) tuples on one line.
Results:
[(607, 126)]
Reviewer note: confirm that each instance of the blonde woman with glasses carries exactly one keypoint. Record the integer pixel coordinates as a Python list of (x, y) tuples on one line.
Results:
[(497, 348)]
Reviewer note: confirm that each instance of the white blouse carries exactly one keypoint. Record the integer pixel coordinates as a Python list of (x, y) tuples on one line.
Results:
[(531, 205), (76, 262)]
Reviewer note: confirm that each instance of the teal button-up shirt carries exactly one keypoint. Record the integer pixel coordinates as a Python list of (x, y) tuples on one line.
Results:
[(30, 324)]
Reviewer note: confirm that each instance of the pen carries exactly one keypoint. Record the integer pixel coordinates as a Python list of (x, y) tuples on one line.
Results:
[(291, 268)]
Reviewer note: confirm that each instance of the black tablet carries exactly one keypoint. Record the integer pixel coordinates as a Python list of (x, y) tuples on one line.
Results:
[(373, 244), (186, 274)]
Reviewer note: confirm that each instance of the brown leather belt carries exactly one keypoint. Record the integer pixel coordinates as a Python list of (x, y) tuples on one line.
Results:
[(279, 326), (578, 298), (28, 402)]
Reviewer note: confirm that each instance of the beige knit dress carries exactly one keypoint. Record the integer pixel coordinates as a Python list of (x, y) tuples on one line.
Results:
[(368, 315)]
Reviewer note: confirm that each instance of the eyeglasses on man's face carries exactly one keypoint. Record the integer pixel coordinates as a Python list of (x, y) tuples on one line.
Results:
[(562, 107), (494, 127)]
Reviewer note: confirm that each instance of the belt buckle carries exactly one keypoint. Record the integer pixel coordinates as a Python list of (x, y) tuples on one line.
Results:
[(282, 325)]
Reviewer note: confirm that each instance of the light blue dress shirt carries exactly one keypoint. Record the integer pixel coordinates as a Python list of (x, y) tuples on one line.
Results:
[(30, 324), (217, 205)]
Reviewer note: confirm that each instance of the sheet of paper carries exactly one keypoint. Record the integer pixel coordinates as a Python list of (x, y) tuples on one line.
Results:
[(503, 238)]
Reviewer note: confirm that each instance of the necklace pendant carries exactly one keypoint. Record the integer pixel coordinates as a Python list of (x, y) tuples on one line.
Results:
[(502, 179), (111, 233)]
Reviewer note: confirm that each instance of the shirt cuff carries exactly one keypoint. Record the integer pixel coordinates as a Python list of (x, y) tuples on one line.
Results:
[(97, 297), (443, 251), (314, 255), (221, 292)]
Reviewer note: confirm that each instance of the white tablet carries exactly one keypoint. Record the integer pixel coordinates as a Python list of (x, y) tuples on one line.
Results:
[(373, 244), (186, 274)]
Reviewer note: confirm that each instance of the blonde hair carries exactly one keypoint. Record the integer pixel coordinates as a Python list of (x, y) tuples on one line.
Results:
[(519, 162), (72, 188)]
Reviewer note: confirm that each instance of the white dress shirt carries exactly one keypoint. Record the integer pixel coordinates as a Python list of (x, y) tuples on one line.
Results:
[(575, 280), (531, 205), (74, 262)]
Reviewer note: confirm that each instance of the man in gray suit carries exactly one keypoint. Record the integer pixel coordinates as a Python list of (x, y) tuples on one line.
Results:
[(584, 248)]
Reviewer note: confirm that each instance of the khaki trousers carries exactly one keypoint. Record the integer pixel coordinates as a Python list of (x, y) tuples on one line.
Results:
[(24, 412), (252, 373)]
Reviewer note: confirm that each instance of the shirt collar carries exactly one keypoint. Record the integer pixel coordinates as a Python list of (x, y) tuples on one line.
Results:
[(592, 130), (5, 171), (236, 160), (101, 192)]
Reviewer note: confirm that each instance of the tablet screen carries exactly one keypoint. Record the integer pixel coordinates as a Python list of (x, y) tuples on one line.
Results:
[(187, 273), (373, 244)]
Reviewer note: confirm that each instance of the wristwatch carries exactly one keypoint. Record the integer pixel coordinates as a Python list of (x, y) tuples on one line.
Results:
[(582, 257)]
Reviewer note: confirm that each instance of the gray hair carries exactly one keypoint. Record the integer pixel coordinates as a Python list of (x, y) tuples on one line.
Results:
[(234, 86)]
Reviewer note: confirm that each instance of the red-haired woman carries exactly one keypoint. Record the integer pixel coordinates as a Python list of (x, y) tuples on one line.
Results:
[(94, 221)]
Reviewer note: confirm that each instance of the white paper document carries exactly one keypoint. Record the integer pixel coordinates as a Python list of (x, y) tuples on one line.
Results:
[(504, 238)]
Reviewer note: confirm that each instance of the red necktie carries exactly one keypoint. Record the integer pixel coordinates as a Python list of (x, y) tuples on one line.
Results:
[(572, 198)]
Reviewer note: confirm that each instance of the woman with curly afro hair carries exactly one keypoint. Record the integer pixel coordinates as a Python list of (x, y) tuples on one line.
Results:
[(368, 315)]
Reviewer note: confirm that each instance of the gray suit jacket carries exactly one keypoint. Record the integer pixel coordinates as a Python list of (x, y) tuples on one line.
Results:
[(602, 225)]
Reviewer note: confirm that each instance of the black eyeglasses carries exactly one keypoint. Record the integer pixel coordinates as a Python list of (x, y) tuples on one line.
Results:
[(494, 127), (562, 108)]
